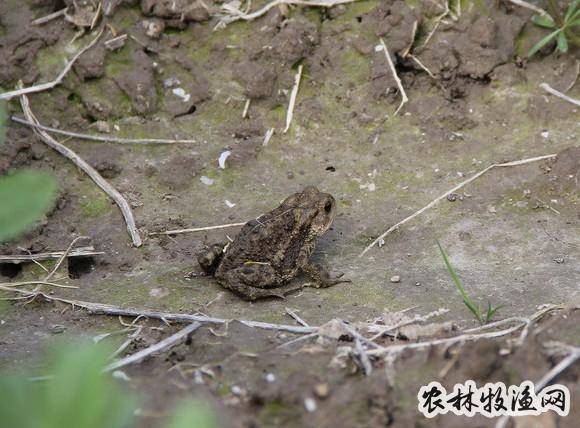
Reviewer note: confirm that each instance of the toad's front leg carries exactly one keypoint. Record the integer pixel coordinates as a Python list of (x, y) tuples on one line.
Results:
[(321, 277)]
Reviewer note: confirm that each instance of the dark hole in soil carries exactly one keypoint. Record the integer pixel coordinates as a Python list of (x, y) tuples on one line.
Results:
[(330, 168), (79, 266), (10, 270), (359, 18)]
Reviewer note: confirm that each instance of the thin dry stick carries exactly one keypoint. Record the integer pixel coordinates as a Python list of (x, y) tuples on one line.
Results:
[(293, 94), (447, 341), (267, 137), (420, 64), (559, 94), (64, 256), (297, 318), (246, 108), (444, 195), (104, 309), (49, 85), (436, 21), (20, 284), (415, 320), (197, 229), (159, 346), (529, 6), (89, 170), (547, 379), (404, 98), (232, 16), (49, 17), (100, 137), (78, 252)]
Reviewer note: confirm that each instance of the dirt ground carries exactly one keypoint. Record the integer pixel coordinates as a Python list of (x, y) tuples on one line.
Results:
[(512, 235)]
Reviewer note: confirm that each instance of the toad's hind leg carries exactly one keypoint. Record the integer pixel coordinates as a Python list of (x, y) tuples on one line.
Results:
[(253, 281)]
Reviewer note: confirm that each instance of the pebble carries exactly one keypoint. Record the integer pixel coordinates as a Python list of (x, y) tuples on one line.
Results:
[(57, 328), (310, 404), (417, 284), (452, 197), (222, 159), (236, 390), (206, 180), (559, 260), (395, 279), (321, 390), (102, 127), (270, 377)]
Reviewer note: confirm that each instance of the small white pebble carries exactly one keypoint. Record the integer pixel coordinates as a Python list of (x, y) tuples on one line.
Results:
[(310, 404), (270, 377), (545, 134), (236, 390), (180, 92), (206, 180), (222, 159), (395, 279), (378, 48), (230, 204)]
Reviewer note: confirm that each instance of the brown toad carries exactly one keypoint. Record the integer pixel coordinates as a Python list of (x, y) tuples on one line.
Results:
[(274, 248)]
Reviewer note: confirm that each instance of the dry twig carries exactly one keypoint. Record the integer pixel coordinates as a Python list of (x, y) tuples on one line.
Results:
[(49, 85), (49, 17), (454, 189), (559, 368), (529, 6), (20, 258), (404, 98), (297, 318), (267, 137), (230, 15), (293, 94), (102, 138), (89, 170), (559, 94), (64, 256), (104, 309), (168, 342), (195, 229)]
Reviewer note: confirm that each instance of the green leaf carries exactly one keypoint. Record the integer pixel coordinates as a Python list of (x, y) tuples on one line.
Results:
[(459, 285), (570, 21), (491, 312), (77, 394), (543, 42), (193, 415), (562, 42), (24, 197), (571, 10), (545, 21)]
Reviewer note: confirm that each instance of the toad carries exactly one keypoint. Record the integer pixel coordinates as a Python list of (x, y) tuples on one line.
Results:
[(274, 248)]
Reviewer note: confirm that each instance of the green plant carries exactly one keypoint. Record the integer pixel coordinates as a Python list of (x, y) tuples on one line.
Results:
[(483, 318), (24, 196), (76, 395), (79, 394), (563, 27)]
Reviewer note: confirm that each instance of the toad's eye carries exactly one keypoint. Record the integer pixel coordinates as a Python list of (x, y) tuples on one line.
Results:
[(328, 206)]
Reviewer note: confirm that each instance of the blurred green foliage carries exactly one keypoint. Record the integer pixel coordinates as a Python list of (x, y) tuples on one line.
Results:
[(77, 394), (24, 196)]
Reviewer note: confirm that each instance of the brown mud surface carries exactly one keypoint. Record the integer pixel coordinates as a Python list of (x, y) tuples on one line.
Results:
[(512, 235)]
